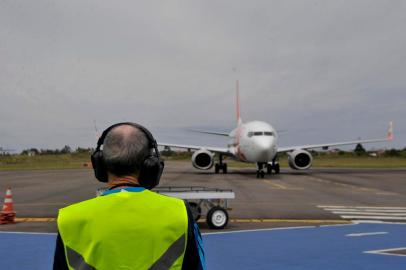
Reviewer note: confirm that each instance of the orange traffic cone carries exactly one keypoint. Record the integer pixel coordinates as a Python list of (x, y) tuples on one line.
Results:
[(7, 214)]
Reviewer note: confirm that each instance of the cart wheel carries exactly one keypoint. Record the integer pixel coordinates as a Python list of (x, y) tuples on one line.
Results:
[(217, 217), (196, 210)]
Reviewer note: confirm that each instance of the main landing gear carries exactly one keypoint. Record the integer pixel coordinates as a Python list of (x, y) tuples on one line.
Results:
[(220, 166), (274, 165)]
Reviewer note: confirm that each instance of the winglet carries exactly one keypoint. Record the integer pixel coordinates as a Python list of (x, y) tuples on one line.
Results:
[(390, 131), (239, 121)]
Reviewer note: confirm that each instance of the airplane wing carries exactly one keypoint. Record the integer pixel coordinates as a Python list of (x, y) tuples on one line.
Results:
[(219, 150), (210, 132), (327, 145)]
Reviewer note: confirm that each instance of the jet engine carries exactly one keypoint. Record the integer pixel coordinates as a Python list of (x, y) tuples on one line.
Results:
[(202, 159), (300, 159)]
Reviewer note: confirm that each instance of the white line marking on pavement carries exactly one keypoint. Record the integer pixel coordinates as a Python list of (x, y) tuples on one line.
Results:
[(28, 233), (361, 207), (261, 230), (374, 217), (339, 225), (366, 210), (365, 234), (377, 222), (369, 213), (281, 228)]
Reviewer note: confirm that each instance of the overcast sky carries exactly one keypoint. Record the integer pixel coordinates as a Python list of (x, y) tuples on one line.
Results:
[(324, 71)]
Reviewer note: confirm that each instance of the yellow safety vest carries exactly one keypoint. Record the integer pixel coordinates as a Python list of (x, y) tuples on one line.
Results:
[(132, 228)]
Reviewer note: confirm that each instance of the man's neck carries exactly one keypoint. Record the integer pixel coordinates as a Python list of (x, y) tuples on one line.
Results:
[(123, 181)]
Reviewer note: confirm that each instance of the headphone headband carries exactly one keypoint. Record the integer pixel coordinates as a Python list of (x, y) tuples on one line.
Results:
[(151, 169), (151, 140)]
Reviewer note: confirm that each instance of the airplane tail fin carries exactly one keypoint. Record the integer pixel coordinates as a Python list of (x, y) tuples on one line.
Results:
[(239, 121), (96, 131), (390, 131)]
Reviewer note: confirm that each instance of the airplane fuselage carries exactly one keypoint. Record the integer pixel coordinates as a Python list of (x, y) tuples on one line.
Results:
[(254, 141)]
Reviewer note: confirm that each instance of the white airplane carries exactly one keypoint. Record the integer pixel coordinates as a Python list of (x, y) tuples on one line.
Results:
[(257, 142)]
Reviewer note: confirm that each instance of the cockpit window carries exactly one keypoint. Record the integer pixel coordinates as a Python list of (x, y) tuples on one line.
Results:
[(260, 133)]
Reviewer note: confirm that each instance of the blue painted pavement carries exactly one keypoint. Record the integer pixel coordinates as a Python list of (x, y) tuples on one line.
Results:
[(307, 248), (299, 248), (26, 251)]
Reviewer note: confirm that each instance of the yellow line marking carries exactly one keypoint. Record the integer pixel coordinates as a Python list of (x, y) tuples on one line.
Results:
[(237, 220), (351, 186), (30, 219), (241, 220), (275, 185), (386, 193), (280, 186), (43, 204)]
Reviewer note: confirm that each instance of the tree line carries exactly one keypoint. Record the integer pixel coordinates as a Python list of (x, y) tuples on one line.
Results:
[(64, 150), (359, 150)]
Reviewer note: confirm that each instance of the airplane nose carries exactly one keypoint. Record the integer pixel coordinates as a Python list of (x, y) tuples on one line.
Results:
[(264, 148), (264, 143)]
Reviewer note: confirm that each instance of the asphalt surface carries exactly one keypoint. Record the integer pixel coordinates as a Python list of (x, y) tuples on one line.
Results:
[(291, 198)]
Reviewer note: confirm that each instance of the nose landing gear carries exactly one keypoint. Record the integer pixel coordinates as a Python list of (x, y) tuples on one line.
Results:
[(260, 171), (271, 166)]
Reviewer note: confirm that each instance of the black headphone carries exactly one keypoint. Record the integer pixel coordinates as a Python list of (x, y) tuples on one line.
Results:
[(151, 169)]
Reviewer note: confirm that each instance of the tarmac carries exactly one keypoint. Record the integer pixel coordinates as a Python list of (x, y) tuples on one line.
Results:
[(316, 219), (334, 247), (292, 198)]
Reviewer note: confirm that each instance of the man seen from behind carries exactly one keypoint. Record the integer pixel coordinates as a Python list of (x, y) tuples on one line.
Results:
[(128, 226)]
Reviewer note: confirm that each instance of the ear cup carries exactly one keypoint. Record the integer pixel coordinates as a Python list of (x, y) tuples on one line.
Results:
[(151, 172), (99, 167)]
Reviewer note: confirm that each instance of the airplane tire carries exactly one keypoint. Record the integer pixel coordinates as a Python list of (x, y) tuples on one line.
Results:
[(217, 218), (217, 168), (225, 168), (277, 169), (269, 169)]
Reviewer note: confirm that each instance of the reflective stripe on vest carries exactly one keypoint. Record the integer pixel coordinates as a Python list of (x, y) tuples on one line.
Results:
[(125, 230)]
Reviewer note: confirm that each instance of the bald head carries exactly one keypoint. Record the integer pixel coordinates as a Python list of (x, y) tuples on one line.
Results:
[(124, 150)]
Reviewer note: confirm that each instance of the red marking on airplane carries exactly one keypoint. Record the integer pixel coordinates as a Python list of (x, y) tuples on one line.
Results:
[(240, 154)]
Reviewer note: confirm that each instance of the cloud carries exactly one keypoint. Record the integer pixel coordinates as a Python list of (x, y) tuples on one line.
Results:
[(313, 65)]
